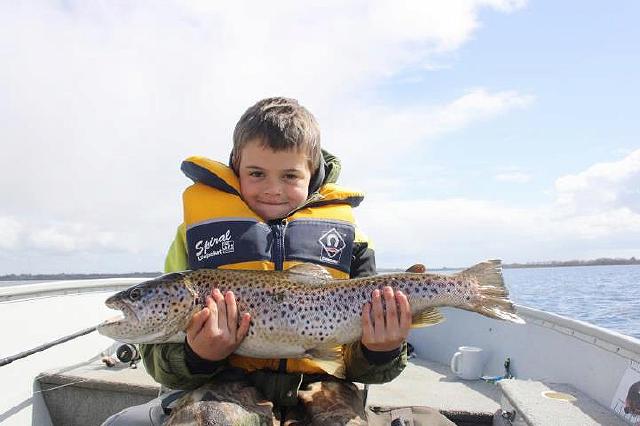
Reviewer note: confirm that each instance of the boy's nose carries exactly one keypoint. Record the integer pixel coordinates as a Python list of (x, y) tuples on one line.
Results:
[(273, 188)]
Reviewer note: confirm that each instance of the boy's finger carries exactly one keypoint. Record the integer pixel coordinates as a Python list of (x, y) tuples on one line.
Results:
[(392, 313), (378, 313), (232, 312), (245, 322), (367, 327), (222, 309), (405, 311), (211, 304)]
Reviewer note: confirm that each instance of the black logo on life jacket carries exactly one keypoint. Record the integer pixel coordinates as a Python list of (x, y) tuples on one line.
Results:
[(332, 245)]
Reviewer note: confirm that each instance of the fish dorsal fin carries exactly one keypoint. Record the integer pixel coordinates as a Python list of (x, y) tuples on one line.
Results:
[(487, 273), (308, 273), (418, 268), (431, 316)]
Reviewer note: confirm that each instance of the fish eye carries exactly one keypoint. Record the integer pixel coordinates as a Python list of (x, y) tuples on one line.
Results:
[(135, 294)]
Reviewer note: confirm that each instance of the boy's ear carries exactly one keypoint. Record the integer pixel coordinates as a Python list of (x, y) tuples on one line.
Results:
[(318, 177)]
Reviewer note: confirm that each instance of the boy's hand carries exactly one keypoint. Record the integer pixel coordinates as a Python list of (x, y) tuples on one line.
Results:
[(385, 332), (214, 333)]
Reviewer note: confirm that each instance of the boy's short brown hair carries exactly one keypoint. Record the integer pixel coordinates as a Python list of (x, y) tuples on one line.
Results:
[(281, 124)]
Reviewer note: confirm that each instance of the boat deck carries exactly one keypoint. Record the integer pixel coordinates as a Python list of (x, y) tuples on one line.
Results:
[(430, 384), (89, 393)]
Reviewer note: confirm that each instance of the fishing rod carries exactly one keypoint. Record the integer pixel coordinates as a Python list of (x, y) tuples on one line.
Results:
[(10, 359)]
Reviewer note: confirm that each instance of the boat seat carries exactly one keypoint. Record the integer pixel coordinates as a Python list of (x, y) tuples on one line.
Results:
[(535, 403), (88, 393)]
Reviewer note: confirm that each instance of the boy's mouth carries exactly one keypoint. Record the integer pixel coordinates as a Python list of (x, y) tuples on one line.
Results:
[(273, 203)]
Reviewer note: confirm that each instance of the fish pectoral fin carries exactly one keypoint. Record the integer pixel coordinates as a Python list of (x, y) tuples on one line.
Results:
[(329, 358), (330, 352), (308, 273), (430, 316)]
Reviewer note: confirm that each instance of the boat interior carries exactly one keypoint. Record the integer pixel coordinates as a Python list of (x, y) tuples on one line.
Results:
[(89, 392), (563, 371)]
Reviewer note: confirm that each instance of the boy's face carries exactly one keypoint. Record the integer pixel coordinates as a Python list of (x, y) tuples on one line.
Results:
[(273, 183)]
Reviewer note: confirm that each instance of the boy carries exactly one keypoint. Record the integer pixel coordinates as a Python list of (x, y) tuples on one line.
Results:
[(274, 207)]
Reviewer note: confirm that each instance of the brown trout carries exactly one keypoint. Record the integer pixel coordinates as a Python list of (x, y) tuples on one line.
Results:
[(301, 312)]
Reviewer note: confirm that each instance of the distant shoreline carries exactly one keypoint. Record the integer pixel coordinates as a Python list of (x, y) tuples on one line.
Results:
[(549, 264), (545, 264), (559, 264)]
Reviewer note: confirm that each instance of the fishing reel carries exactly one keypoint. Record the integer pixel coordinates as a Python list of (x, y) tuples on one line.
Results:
[(128, 353)]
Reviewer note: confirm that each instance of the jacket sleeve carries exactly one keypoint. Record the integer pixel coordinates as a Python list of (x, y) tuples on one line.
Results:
[(177, 259), (167, 362), (358, 367)]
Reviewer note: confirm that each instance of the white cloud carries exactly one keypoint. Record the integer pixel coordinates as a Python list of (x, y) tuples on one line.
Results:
[(10, 230), (63, 238), (100, 101), (477, 104), (596, 215), (404, 133), (513, 176), (57, 238), (603, 186)]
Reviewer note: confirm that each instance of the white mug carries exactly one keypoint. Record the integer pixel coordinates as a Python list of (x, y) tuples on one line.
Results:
[(468, 362)]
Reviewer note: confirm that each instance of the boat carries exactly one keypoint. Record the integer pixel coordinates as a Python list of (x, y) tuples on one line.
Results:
[(552, 370)]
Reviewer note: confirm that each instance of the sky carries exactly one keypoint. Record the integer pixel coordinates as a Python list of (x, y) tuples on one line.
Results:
[(478, 129)]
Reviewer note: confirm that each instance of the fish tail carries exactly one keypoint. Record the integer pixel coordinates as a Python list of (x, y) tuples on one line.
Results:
[(493, 298)]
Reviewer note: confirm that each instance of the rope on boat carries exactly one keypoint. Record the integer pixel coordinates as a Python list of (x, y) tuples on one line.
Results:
[(10, 359)]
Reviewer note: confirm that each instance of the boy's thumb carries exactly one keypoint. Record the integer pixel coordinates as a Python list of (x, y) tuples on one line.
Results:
[(198, 320)]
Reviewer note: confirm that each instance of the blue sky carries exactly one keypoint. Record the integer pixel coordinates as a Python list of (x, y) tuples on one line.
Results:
[(478, 129), (580, 61)]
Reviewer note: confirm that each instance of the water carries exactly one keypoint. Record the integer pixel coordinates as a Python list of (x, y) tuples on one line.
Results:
[(607, 296)]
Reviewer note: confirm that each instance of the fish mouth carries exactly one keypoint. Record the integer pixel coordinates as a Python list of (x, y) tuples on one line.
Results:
[(128, 314)]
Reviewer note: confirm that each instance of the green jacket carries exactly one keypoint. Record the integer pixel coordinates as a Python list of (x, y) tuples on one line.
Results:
[(166, 363)]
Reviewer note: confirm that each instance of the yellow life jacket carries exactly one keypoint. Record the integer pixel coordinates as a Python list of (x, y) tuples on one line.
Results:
[(223, 232)]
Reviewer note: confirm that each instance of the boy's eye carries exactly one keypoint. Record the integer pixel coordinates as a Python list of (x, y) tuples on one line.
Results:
[(290, 176), (256, 173)]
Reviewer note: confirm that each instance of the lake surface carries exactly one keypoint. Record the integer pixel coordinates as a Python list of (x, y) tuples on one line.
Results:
[(607, 296)]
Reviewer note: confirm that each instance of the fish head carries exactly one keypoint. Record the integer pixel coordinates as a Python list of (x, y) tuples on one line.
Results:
[(153, 311)]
